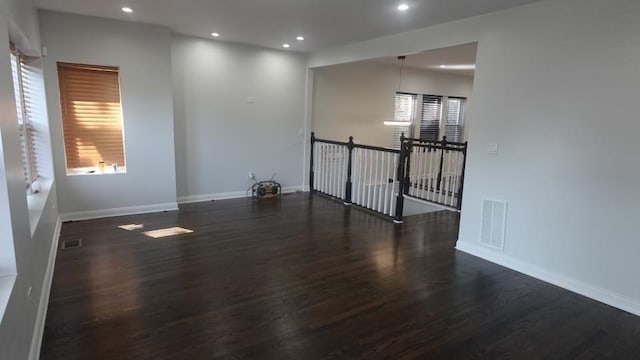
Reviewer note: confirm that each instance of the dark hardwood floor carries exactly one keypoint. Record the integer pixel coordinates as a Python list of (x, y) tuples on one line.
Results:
[(308, 278)]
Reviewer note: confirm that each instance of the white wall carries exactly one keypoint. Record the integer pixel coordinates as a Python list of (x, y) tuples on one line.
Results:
[(556, 86), (18, 22), (355, 99), (23, 27), (219, 136), (143, 54)]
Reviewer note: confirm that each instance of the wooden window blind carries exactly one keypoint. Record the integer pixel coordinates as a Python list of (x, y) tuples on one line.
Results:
[(455, 114), (91, 115)]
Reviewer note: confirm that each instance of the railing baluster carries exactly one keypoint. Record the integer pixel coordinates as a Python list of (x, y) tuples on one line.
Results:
[(376, 182), (440, 176), (423, 167), (358, 181), (443, 181), (320, 172), (354, 185), (426, 186), (339, 182), (456, 183), (345, 170), (326, 168), (370, 178), (334, 170), (392, 195), (416, 169), (363, 178), (386, 185), (449, 178), (381, 181)]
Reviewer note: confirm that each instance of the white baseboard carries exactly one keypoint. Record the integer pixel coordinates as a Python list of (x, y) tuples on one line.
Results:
[(38, 330), (230, 195), (594, 292), (132, 210)]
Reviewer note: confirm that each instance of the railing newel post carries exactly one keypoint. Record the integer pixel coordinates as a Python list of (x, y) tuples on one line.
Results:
[(443, 145), (349, 185), (464, 165), (311, 165), (407, 177), (401, 178)]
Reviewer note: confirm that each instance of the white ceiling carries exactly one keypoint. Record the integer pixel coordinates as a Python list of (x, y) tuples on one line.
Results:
[(270, 23), (457, 59)]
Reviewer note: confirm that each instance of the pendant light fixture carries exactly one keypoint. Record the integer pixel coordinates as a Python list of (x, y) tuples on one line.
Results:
[(397, 122)]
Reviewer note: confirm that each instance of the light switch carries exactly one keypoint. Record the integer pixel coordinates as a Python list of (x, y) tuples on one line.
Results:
[(251, 100), (492, 148)]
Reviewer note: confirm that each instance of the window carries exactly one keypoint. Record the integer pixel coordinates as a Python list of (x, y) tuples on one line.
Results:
[(430, 119), (405, 109), (21, 92), (91, 118), (455, 115)]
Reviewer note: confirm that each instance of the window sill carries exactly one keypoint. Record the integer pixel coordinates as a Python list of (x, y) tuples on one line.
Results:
[(36, 203), (6, 287), (92, 171)]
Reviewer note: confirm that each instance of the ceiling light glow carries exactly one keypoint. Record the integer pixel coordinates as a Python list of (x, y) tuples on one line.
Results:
[(286, 46), (403, 7), (300, 38), (459, 67), (127, 9), (397, 123), (215, 34)]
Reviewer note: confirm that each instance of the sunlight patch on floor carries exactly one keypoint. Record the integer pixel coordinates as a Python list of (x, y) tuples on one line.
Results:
[(131, 227), (167, 232)]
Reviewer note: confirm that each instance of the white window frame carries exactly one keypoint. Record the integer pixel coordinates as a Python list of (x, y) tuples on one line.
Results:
[(461, 117), (24, 123), (407, 130)]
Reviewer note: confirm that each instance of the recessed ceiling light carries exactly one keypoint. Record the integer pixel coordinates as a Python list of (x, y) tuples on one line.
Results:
[(300, 38), (403, 7), (286, 46), (215, 34), (127, 9), (443, 66)]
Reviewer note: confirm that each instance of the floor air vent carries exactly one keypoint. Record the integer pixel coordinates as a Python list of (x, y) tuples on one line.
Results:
[(70, 244), (494, 215)]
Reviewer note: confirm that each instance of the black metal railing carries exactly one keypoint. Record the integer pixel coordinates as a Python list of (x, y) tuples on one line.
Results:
[(369, 177), (435, 171), (377, 178)]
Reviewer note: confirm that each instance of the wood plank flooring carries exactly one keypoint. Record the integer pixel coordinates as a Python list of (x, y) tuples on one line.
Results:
[(308, 278)]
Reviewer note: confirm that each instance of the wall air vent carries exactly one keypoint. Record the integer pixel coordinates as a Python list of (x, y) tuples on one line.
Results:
[(70, 244), (494, 216)]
